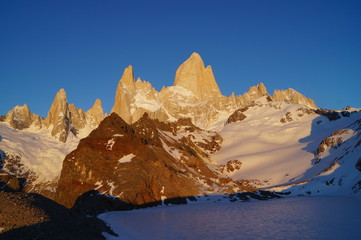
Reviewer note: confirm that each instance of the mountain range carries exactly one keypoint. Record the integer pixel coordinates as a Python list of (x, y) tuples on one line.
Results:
[(184, 142)]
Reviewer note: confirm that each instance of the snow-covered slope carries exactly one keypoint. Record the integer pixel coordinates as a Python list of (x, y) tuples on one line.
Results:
[(276, 143), (33, 154), (337, 165)]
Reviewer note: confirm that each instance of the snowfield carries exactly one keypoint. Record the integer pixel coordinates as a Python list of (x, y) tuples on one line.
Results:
[(276, 152), (39, 151)]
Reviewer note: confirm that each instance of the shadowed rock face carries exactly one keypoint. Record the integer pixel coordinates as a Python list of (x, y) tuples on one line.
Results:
[(146, 162), (32, 216)]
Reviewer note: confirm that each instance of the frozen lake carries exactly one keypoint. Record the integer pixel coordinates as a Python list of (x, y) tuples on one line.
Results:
[(289, 218)]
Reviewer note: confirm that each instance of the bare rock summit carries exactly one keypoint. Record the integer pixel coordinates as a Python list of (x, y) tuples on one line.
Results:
[(193, 76), (20, 118), (292, 96)]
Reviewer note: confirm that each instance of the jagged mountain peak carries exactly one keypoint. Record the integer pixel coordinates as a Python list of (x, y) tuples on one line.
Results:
[(126, 86), (58, 108), (292, 96), (258, 90), (127, 80), (97, 103), (61, 94), (95, 114), (20, 117), (193, 76)]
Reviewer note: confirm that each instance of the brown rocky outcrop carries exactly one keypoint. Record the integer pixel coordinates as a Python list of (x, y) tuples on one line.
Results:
[(333, 141), (125, 161), (230, 166), (237, 116), (9, 182), (141, 164)]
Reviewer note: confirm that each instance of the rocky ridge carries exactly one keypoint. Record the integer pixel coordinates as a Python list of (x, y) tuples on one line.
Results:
[(194, 94), (144, 163), (62, 119)]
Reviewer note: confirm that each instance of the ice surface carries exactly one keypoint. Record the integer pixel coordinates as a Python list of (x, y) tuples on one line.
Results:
[(289, 218)]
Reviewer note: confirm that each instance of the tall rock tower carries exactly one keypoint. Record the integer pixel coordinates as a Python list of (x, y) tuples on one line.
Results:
[(200, 80), (124, 94)]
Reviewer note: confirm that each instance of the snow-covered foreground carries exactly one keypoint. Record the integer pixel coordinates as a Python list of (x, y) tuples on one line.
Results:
[(288, 218)]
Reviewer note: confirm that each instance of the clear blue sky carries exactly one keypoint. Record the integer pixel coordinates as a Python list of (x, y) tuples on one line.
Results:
[(83, 46)]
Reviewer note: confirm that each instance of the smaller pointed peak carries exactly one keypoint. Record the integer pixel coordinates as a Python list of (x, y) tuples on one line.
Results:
[(195, 55), (19, 107), (262, 88), (96, 112), (128, 77), (97, 102), (61, 91), (129, 69), (259, 89), (61, 94)]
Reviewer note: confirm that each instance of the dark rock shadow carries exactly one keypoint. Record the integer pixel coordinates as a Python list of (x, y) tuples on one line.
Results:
[(81, 222), (58, 221), (94, 203)]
